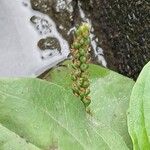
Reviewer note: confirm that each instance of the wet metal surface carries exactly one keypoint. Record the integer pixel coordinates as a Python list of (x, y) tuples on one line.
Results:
[(19, 51)]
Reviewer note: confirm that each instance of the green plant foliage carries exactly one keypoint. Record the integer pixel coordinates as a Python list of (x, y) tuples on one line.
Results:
[(110, 93), (51, 117), (139, 111), (11, 141)]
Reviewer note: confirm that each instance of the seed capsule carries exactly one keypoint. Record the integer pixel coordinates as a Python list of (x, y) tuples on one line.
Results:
[(75, 89), (87, 40), (78, 33), (82, 52), (82, 59), (73, 77), (76, 45), (85, 84), (82, 94), (84, 75), (79, 83), (82, 42), (77, 55), (84, 67), (77, 64), (77, 73), (87, 92), (86, 102)]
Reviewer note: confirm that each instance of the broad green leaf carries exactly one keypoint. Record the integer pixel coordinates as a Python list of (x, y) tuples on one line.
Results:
[(50, 117), (110, 94), (139, 111), (11, 141)]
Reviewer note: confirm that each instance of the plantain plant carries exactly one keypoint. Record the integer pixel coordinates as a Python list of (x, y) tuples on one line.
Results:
[(41, 115)]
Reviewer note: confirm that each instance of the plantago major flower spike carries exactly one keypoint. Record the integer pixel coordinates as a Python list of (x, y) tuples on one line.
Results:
[(80, 54)]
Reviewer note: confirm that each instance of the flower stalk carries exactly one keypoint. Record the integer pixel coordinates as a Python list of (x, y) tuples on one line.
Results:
[(80, 53)]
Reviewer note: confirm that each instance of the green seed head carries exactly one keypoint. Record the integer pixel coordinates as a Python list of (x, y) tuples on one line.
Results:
[(80, 52)]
